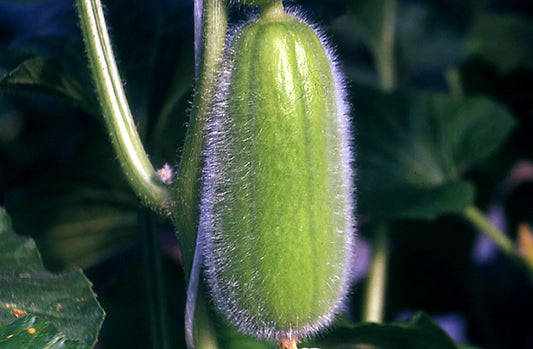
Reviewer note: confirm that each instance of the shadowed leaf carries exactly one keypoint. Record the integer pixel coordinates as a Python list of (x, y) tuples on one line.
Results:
[(503, 40), (414, 148), (419, 333), (65, 300), (42, 75)]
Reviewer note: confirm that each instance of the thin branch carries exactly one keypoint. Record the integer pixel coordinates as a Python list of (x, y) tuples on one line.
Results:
[(455, 86), (502, 241), (210, 39), (375, 293), (186, 212), (478, 219), (385, 52), (118, 119), (374, 302)]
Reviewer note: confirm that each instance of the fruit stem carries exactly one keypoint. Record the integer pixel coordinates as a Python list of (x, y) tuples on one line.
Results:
[(273, 11), (377, 278)]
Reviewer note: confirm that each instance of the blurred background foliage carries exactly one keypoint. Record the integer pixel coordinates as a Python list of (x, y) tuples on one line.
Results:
[(455, 129)]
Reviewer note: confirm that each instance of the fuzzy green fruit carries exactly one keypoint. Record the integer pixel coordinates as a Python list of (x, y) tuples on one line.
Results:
[(255, 2), (277, 201)]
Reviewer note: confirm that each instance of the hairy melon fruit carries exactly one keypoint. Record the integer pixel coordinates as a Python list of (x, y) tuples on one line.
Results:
[(277, 200), (255, 2)]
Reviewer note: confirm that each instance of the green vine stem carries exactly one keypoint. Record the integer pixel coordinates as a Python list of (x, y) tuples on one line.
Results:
[(210, 38), (126, 141), (186, 212), (502, 241), (375, 290), (385, 50), (118, 119)]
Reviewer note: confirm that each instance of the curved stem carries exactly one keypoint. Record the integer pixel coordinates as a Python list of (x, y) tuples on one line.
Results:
[(478, 219), (502, 241), (118, 119), (125, 138), (376, 284)]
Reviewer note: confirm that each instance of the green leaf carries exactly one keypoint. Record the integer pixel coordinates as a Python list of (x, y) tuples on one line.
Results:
[(370, 18), (414, 148), (34, 332), (42, 75), (76, 224), (84, 214), (421, 203), (377, 20), (429, 36), (503, 40), (65, 300), (419, 333)]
